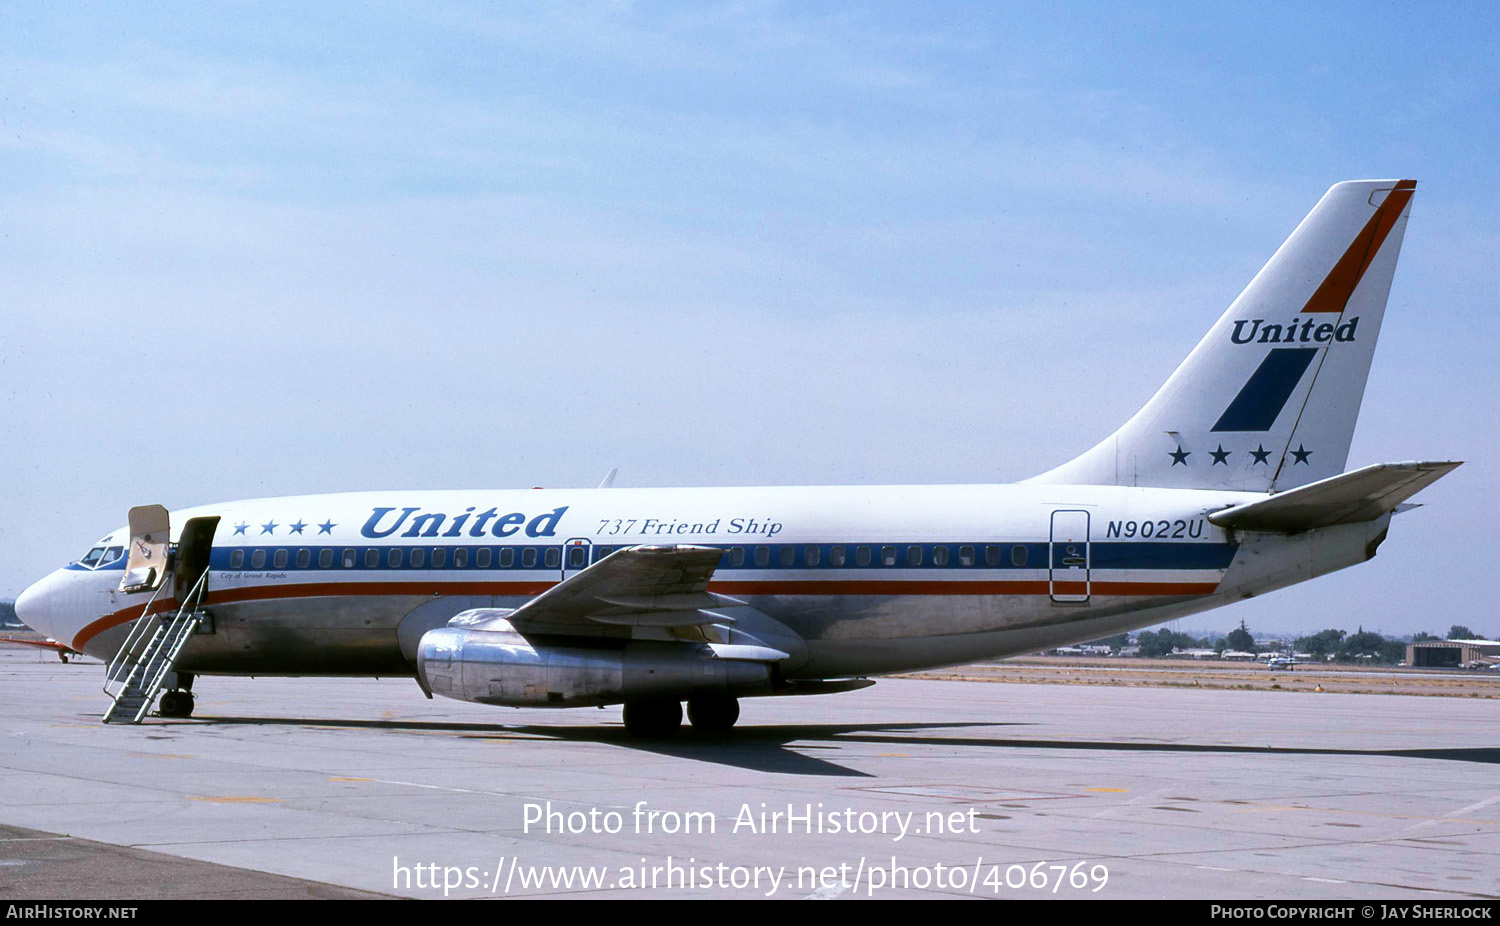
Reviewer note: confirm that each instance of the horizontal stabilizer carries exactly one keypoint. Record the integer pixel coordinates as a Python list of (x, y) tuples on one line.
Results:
[(1348, 498)]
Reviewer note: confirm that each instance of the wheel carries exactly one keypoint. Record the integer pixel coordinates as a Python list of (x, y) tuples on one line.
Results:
[(713, 713), (175, 704), (653, 718)]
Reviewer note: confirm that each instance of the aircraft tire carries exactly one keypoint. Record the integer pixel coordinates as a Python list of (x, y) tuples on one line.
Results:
[(176, 704), (653, 718), (713, 713)]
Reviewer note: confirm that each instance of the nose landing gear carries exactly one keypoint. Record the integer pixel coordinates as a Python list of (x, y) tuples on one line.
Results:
[(177, 701), (175, 704)]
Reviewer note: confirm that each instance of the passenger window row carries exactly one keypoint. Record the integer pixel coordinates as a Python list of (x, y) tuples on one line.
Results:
[(784, 555), (905, 556), (398, 558)]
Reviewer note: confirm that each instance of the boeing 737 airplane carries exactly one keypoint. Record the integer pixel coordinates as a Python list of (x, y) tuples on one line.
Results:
[(1229, 483)]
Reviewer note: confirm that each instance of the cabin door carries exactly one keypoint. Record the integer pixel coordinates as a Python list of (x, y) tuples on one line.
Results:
[(1068, 559)]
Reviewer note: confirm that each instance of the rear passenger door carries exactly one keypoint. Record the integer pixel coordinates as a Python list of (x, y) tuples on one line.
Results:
[(1068, 557)]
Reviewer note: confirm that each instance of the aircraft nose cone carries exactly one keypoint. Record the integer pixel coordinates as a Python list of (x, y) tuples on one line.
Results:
[(34, 606)]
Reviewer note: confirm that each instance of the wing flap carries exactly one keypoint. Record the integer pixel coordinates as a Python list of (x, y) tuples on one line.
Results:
[(691, 601), (745, 652), (1348, 498), (675, 618), (642, 586)]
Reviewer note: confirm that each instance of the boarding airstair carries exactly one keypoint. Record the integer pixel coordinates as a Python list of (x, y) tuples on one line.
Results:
[(146, 662)]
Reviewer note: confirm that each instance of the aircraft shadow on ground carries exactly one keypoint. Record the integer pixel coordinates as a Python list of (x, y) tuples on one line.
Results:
[(790, 748)]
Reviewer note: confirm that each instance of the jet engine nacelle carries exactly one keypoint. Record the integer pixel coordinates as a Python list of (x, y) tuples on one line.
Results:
[(497, 665)]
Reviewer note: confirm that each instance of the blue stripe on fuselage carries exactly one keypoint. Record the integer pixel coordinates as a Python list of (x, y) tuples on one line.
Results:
[(1102, 555)]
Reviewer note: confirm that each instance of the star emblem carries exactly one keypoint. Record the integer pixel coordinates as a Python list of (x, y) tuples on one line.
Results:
[(268, 528), (326, 527), (297, 528), (1301, 453), (1220, 456), (1180, 456), (1261, 454), (240, 528)]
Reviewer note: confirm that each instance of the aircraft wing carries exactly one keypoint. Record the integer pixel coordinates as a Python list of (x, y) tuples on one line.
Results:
[(1348, 498), (642, 586)]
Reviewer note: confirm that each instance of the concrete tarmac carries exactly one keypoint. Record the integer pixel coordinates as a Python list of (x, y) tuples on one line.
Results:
[(914, 788)]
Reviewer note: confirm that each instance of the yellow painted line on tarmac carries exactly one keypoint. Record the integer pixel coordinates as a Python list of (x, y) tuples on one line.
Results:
[(894, 755), (339, 778), (237, 799)]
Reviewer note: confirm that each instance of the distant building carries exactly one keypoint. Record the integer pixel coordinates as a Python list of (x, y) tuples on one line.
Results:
[(1452, 653)]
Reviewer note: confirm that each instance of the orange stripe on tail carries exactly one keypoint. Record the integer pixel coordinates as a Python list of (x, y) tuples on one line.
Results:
[(1334, 294)]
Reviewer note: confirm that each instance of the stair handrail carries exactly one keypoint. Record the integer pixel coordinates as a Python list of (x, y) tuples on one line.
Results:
[(132, 639), (186, 614)]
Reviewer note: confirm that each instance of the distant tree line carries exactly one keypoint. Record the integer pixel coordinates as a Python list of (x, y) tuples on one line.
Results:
[(1164, 641), (1360, 646)]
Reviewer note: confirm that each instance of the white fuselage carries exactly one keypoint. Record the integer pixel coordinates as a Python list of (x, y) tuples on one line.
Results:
[(851, 580)]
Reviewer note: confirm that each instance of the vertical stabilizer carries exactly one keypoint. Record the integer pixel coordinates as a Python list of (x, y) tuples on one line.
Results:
[(1269, 398)]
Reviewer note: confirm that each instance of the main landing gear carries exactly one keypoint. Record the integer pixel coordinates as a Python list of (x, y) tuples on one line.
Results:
[(713, 714), (661, 717)]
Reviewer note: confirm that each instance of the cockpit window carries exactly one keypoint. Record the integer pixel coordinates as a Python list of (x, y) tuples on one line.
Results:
[(101, 554)]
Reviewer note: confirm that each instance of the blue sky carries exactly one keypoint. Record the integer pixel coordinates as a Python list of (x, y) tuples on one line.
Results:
[(257, 250)]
